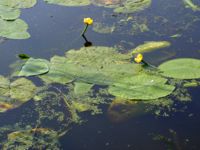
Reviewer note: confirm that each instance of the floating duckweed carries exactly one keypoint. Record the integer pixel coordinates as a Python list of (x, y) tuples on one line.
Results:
[(102, 28)]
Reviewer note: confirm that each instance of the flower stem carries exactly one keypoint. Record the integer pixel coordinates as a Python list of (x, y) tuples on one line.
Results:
[(85, 29)]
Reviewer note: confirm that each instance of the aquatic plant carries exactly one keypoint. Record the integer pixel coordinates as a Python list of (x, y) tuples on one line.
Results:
[(87, 22), (14, 93), (182, 68), (138, 58), (124, 6), (34, 67), (10, 25), (150, 46)]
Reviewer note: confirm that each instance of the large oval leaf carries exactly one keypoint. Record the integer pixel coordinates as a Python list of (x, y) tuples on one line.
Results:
[(143, 87), (182, 68)]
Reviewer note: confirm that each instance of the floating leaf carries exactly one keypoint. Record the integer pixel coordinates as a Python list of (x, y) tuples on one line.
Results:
[(34, 67), (69, 2), (144, 87), (16, 29), (182, 68), (8, 13), (20, 90), (150, 46), (105, 66), (18, 3)]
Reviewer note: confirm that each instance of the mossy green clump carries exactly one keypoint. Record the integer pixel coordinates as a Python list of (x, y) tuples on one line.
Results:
[(182, 68), (130, 6), (26, 139)]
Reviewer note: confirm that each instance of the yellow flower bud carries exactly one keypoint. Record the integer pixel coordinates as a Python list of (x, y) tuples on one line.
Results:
[(88, 21), (138, 58)]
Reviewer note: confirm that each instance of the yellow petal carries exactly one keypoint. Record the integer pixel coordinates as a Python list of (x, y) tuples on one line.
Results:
[(88, 21)]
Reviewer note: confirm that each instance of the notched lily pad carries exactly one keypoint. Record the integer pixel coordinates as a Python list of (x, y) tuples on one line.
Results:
[(34, 67), (16, 29), (182, 68)]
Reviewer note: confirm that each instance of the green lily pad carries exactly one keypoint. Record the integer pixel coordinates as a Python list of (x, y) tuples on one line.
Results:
[(18, 3), (95, 65), (8, 13), (150, 46), (182, 68), (69, 2), (34, 67), (105, 66), (21, 89), (142, 87), (16, 29)]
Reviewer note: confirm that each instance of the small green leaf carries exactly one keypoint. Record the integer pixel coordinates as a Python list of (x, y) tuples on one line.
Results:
[(34, 67)]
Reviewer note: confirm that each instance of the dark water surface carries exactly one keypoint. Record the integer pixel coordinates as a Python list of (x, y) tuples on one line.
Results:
[(55, 29)]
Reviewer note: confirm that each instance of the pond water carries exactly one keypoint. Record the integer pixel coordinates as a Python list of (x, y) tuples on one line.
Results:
[(55, 29)]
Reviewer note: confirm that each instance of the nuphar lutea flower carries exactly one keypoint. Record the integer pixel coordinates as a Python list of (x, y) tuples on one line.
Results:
[(138, 58), (88, 21)]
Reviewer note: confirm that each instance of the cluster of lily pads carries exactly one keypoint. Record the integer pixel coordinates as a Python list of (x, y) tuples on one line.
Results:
[(135, 87), (10, 25), (120, 6)]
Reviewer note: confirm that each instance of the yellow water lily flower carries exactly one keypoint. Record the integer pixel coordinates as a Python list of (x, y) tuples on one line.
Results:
[(138, 58), (88, 21)]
